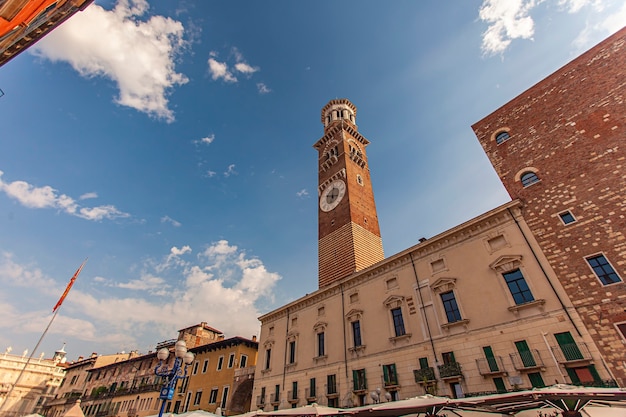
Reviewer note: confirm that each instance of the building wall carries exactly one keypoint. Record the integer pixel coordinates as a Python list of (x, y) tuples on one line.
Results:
[(468, 261), (38, 383), (75, 384), (218, 374), (570, 130)]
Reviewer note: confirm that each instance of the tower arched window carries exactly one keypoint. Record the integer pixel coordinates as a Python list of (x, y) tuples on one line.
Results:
[(529, 178), (502, 136)]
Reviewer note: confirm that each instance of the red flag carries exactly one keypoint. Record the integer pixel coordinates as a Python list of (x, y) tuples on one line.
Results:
[(69, 286)]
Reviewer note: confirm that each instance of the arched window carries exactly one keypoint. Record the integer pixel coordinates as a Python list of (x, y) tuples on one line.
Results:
[(529, 178), (502, 136)]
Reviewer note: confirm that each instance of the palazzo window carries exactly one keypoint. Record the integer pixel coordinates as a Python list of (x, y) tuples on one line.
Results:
[(603, 269), (521, 296), (450, 306), (320, 340), (356, 333), (354, 319), (398, 322), (395, 304)]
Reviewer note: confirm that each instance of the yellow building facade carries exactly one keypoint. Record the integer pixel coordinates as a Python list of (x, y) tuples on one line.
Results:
[(222, 376)]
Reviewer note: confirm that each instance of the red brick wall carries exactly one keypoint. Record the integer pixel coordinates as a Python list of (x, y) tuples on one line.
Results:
[(570, 129)]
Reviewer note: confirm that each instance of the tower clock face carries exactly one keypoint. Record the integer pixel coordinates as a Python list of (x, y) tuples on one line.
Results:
[(332, 195)]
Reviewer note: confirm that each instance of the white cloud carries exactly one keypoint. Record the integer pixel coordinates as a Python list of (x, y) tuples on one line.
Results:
[(173, 258), (263, 89), (207, 140), (168, 219), (508, 20), (223, 287), (14, 274), (245, 68), (88, 196), (211, 174), (139, 56), (220, 70), (613, 22), (47, 197), (230, 171), (512, 19), (302, 193), (145, 283)]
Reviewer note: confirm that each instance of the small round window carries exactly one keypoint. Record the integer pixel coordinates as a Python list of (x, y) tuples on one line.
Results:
[(502, 136), (529, 178)]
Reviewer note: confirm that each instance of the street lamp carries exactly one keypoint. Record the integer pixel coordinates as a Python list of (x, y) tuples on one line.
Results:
[(172, 375)]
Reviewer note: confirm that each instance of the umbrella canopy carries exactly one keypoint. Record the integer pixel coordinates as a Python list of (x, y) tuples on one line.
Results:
[(74, 411), (197, 413), (422, 404), (561, 397), (306, 410)]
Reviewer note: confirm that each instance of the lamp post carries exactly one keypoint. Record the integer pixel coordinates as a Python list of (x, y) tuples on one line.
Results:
[(179, 370)]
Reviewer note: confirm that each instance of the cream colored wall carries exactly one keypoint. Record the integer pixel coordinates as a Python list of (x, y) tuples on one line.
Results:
[(468, 260), (41, 378)]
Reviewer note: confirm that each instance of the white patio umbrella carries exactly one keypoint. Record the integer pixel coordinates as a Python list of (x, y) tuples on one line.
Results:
[(306, 410), (197, 413), (560, 397), (421, 404)]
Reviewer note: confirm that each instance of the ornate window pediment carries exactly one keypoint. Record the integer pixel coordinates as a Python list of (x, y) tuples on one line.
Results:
[(506, 263), (393, 301), (354, 314), (292, 335), (443, 285), (320, 326), (268, 343)]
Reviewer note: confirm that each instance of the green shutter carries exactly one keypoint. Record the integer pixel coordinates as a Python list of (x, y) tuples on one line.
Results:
[(386, 374), (568, 346), (491, 360), (536, 380), (525, 354), (423, 363), (499, 383)]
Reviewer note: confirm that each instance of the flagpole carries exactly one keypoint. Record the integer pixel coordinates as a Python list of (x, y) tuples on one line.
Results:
[(57, 307)]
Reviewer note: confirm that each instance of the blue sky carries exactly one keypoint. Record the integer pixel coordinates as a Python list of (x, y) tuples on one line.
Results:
[(171, 144)]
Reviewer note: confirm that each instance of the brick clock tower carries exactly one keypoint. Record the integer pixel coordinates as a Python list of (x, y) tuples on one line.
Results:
[(349, 236)]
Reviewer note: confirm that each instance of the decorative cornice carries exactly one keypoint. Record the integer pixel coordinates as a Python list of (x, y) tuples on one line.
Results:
[(477, 226)]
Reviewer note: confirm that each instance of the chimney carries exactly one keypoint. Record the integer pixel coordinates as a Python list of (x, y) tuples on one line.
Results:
[(254, 338)]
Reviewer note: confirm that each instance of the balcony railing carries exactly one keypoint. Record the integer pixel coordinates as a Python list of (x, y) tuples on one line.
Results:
[(526, 360), (571, 353), (310, 394), (424, 375), (450, 370), (359, 385), (275, 398), (260, 401), (332, 390), (124, 391), (490, 366), (292, 396)]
